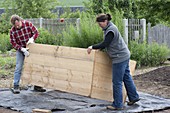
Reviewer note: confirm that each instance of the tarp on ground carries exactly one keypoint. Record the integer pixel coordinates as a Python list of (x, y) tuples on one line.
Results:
[(61, 102)]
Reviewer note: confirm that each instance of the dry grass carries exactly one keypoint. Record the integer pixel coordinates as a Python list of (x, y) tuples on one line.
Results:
[(6, 83)]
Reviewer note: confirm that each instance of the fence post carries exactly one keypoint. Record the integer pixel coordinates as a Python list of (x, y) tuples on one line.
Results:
[(125, 32), (149, 34), (41, 19), (143, 24), (78, 24)]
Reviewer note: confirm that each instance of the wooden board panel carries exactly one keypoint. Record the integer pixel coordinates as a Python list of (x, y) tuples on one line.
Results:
[(62, 78), (102, 77), (57, 73), (103, 58), (61, 52), (65, 63), (61, 68), (71, 70)]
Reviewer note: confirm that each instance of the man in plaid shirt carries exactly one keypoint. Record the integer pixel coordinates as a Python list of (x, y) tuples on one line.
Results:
[(22, 33)]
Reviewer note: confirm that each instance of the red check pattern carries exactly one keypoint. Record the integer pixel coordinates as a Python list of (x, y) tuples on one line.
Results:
[(19, 37)]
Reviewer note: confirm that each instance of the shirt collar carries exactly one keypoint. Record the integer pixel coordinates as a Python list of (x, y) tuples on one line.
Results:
[(109, 24)]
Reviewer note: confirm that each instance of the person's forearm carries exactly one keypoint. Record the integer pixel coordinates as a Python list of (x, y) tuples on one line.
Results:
[(105, 43)]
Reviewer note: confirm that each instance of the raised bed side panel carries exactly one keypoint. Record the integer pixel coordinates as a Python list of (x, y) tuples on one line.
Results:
[(61, 68), (102, 77)]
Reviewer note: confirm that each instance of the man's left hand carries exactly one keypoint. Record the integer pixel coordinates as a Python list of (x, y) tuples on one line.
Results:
[(30, 41)]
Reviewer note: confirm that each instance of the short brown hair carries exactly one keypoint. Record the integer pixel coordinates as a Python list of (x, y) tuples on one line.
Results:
[(103, 17), (14, 18)]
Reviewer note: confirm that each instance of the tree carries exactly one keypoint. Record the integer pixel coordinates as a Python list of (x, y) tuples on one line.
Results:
[(33, 8), (95, 6), (128, 7), (5, 17), (155, 11), (4, 24), (25, 9)]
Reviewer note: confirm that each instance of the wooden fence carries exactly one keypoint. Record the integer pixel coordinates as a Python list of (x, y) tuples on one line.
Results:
[(159, 34), (134, 29), (54, 25)]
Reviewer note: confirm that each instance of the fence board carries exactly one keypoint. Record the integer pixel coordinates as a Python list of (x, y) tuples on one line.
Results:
[(159, 34), (53, 25)]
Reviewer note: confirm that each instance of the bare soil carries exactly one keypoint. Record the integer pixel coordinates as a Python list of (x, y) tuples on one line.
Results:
[(155, 81)]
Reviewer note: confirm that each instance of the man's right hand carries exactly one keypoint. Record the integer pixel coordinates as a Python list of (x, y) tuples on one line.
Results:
[(30, 41), (25, 51)]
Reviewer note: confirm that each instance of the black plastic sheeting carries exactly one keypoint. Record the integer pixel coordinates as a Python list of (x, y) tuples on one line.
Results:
[(61, 102)]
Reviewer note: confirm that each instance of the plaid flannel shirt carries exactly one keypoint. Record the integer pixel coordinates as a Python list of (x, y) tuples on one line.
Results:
[(19, 37)]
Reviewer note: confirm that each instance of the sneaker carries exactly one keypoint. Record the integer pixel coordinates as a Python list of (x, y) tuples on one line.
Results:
[(39, 89), (133, 102), (113, 108), (15, 90)]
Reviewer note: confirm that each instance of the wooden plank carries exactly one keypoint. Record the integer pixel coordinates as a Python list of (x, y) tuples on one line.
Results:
[(102, 77), (70, 69), (61, 51), (102, 94), (67, 63), (66, 86), (102, 58), (70, 78), (57, 73), (58, 78), (132, 66), (63, 68), (41, 111), (103, 70)]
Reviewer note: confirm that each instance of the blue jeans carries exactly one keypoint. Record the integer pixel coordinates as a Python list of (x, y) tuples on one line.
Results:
[(121, 73), (18, 69)]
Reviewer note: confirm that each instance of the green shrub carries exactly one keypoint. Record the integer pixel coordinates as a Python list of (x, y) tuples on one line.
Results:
[(5, 43), (89, 33), (7, 62), (84, 35), (7, 65), (45, 37), (159, 53), (148, 55), (4, 23), (117, 18)]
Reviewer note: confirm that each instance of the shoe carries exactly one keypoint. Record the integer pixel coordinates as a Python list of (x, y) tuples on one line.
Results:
[(133, 102), (113, 108), (15, 90), (39, 89)]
